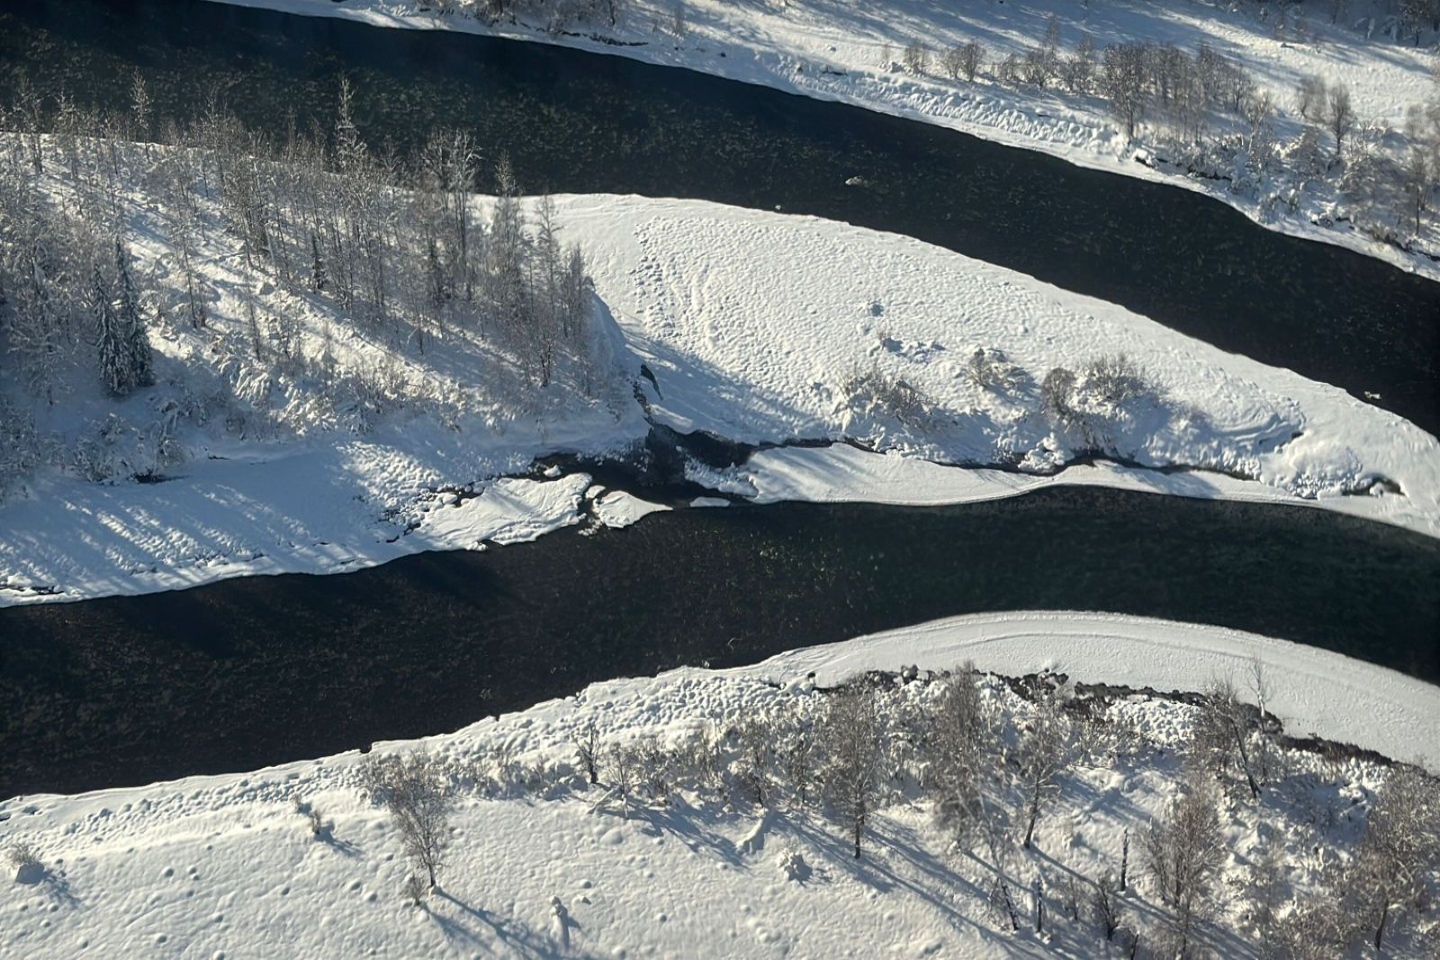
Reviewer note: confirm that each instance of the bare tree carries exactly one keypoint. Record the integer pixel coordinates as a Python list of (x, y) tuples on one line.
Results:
[(1056, 393), (1339, 116), (851, 734), (952, 62), (1226, 733), (797, 757), (962, 756), (754, 762), (1125, 861), (413, 789), (1268, 892), (972, 54), (1124, 83), (917, 59), (1398, 855), (1109, 908), (1042, 757), (1079, 70), (1185, 850), (1310, 96), (1419, 177)]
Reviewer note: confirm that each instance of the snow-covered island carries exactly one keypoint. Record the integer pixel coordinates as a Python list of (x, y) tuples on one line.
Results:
[(719, 814), (288, 423), (1320, 120)]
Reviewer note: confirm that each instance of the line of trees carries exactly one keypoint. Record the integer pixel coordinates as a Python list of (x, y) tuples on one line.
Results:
[(1208, 111), (992, 768), (393, 246)]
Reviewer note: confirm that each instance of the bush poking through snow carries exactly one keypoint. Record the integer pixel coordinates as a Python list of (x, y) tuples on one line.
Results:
[(319, 826), (28, 867), (878, 395), (587, 750), (1055, 393), (990, 370), (415, 889), (704, 759), (753, 766), (1115, 380)]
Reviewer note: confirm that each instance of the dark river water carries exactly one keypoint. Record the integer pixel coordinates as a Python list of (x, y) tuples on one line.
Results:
[(579, 122), (251, 672), (254, 671)]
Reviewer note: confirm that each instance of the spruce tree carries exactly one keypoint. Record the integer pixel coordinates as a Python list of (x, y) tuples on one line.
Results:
[(138, 356), (317, 266), (114, 359)]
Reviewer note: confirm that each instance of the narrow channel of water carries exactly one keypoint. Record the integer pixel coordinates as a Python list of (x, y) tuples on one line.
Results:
[(255, 671), (581, 122)]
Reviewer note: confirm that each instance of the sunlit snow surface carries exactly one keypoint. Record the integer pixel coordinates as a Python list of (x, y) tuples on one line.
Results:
[(224, 865)]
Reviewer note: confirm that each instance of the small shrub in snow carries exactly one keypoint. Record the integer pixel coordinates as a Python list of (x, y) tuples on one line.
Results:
[(319, 826), (877, 394), (1056, 392), (415, 889), (990, 370), (622, 766), (703, 759), (917, 59), (26, 861), (793, 866), (1116, 379), (587, 749), (654, 764)]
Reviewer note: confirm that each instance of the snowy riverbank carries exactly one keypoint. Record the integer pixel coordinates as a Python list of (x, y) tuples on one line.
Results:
[(854, 53), (758, 328), (224, 866)]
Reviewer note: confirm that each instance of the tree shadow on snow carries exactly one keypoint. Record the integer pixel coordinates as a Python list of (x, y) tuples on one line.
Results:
[(515, 935)]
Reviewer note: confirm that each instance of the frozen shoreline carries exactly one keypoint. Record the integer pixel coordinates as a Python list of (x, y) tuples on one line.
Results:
[(825, 54), (755, 327)]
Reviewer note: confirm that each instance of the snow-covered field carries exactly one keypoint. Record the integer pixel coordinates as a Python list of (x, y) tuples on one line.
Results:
[(852, 53), (757, 328), (540, 866)]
